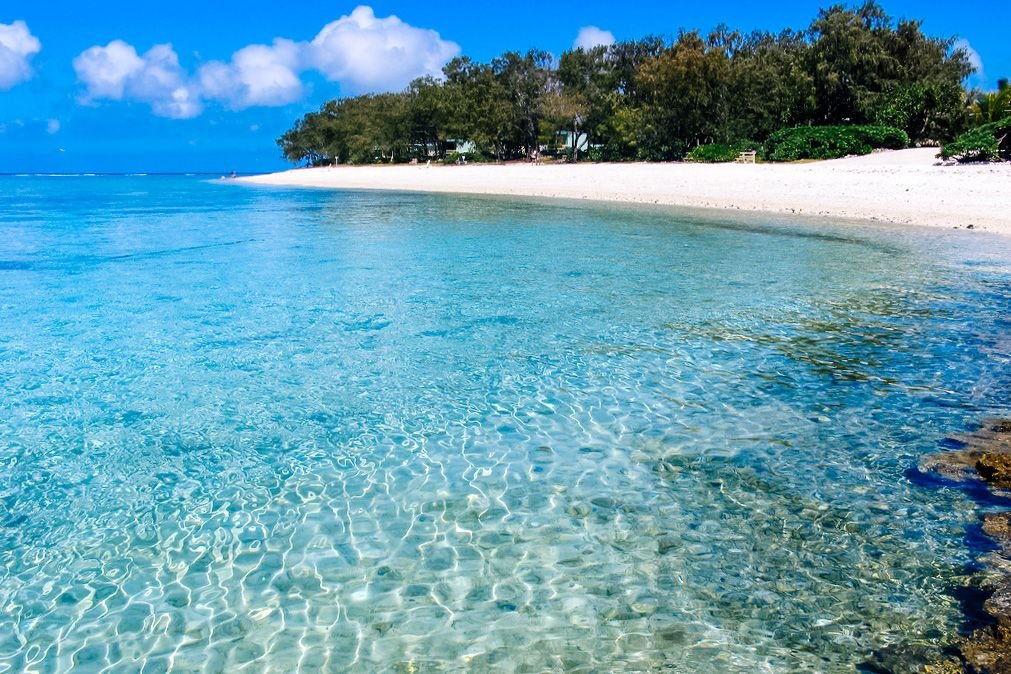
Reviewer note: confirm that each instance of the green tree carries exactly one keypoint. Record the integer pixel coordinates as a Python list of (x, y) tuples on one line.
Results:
[(866, 68), (524, 78), (684, 92), (769, 86), (992, 106), (847, 58), (427, 117), (653, 99), (566, 110), (589, 81), (480, 107)]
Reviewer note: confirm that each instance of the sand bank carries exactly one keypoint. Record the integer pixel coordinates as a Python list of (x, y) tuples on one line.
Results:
[(904, 187)]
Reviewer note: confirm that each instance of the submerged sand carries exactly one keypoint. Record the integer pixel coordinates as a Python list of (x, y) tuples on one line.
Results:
[(903, 187)]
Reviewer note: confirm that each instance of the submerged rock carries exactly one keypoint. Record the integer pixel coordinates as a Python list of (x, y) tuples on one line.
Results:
[(995, 468), (988, 650), (998, 527), (913, 659), (985, 454), (994, 436), (958, 466), (999, 603)]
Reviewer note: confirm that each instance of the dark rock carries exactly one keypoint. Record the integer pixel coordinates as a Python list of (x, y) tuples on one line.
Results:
[(998, 527), (995, 468), (985, 453), (993, 437), (988, 650), (958, 466), (913, 659), (999, 603), (901, 659)]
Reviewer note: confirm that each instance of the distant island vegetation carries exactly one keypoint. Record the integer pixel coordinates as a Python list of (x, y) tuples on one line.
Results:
[(853, 81)]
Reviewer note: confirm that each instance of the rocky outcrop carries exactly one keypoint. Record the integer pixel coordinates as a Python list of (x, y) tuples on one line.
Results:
[(987, 651), (998, 527), (995, 468), (983, 456)]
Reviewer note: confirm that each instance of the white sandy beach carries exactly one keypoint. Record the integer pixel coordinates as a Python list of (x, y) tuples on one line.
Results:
[(904, 187)]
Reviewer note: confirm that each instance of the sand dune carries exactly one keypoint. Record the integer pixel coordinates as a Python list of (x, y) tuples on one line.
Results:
[(905, 186)]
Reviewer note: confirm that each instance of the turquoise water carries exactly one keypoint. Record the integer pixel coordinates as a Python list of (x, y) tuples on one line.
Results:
[(247, 429)]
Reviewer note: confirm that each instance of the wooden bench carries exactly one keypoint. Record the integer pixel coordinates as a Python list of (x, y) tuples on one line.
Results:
[(746, 157)]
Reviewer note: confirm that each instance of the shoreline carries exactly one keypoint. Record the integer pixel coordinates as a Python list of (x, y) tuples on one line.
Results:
[(902, 187)]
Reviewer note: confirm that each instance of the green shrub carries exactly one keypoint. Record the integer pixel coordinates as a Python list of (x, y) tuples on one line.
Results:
[(713, 153), (476, 157), (614, 152), (989, 142), (832, 142), (657, 149)]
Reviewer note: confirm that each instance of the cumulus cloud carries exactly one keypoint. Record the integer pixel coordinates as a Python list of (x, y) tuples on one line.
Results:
[(116, 71), (256, 75), (360, 51), (53, 126), (975, 60), (591, 36), (17, 47), (366, 53)]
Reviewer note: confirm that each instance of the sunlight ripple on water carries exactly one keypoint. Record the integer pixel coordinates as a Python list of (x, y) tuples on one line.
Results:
[(298, 430)]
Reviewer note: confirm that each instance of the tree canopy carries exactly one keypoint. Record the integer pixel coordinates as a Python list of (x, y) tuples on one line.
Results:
[(658, 98)]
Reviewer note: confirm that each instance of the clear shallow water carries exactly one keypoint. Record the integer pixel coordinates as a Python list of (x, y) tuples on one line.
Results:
[(275, 430)]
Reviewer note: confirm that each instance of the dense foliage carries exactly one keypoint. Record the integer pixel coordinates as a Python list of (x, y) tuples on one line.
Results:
[(716, 153), (989, 142), (831, 142), (713, 153), (657, 99), (992, 106)]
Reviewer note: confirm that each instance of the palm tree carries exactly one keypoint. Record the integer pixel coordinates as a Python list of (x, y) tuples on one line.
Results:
[(993, 105)]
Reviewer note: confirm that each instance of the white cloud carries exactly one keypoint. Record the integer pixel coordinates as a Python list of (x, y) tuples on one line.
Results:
[(975, 60), (366, 53), (53, 126), (257, 75), (17, 47), (163, 83), (360, 51), (105, 70), (591, 36), (116, 71)]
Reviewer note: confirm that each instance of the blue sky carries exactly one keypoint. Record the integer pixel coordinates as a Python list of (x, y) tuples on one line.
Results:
[(81, 88)]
